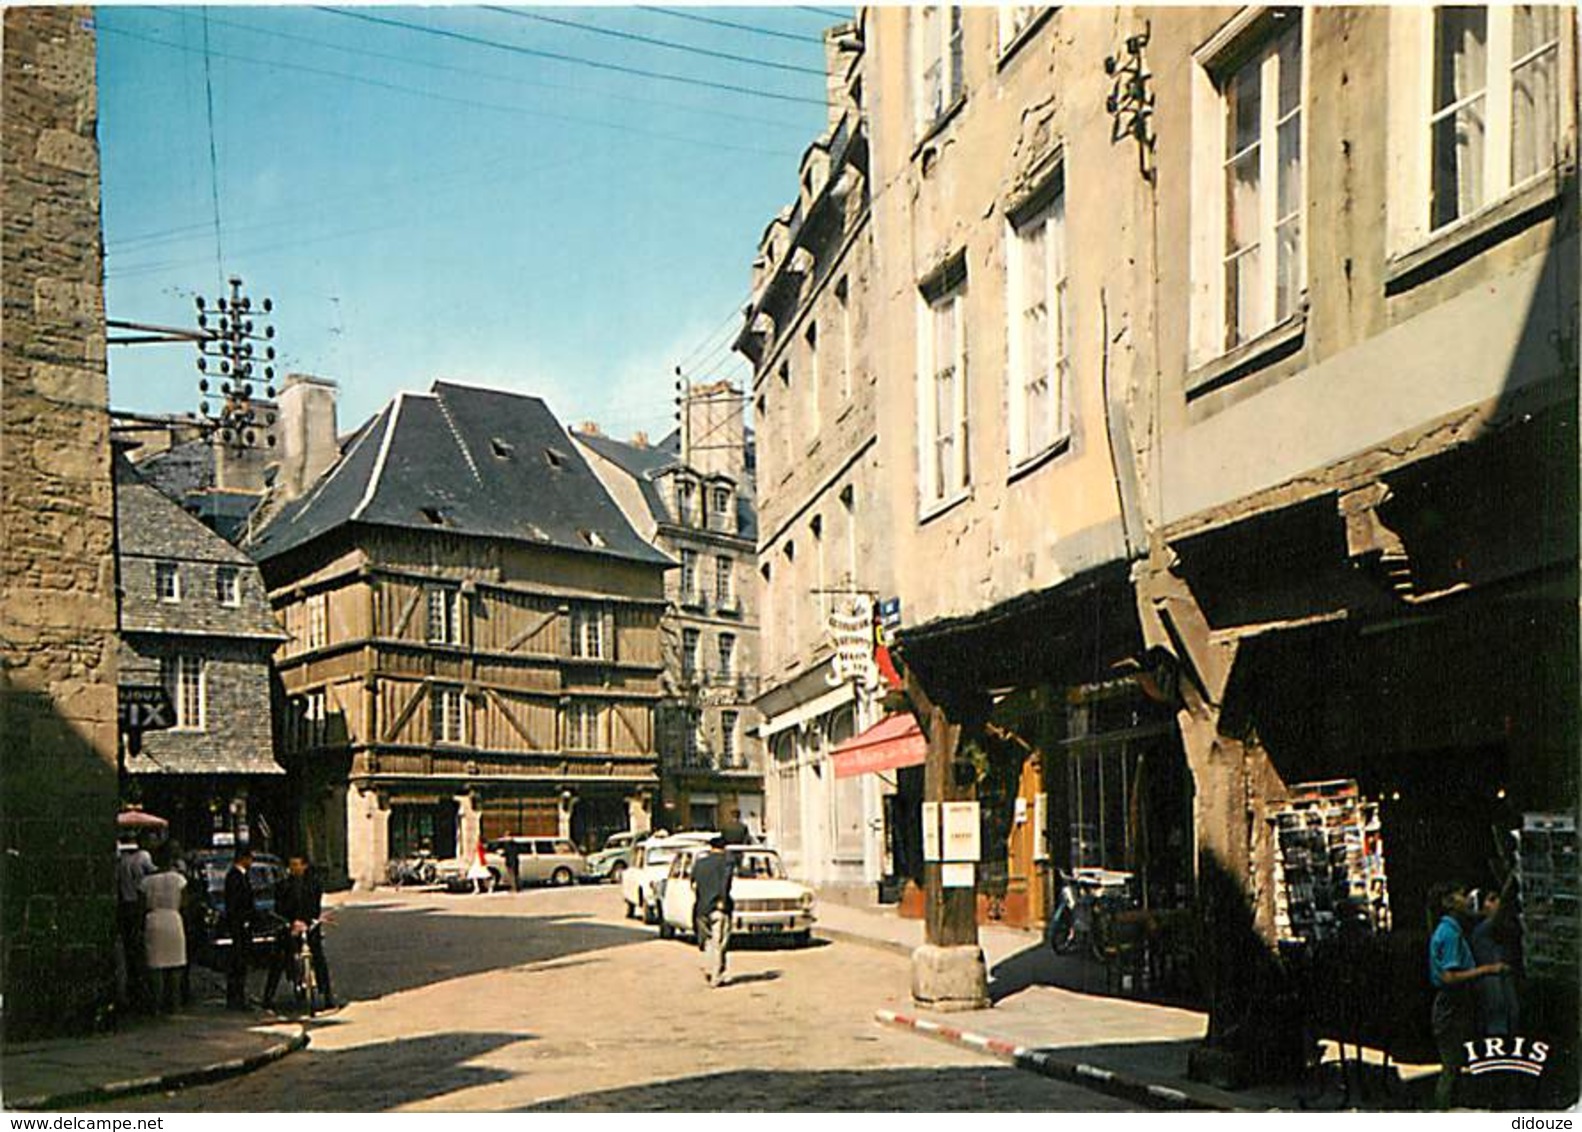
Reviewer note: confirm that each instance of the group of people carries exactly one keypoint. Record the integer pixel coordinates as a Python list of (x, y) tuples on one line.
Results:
[(153, 911), (159, 912), (1470, 966), (299, 910)]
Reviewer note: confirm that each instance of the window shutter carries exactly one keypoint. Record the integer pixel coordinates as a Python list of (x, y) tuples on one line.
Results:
[(607, 633), (565, 630)]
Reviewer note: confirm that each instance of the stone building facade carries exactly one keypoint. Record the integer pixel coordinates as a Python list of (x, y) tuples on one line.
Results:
[(824, 556), (57, 604), (474, 637), (195, 619), (1228, 417), (691, 496)]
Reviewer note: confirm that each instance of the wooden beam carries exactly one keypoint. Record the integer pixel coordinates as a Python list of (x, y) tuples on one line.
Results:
[(405, 713), (520, 639), (499, 702), (406, 614)]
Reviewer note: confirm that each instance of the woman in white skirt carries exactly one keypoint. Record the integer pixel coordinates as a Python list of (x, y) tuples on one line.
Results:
[(164, 936)]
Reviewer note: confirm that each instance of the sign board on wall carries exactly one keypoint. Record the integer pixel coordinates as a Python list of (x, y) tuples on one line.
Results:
[(957, 874), (931, 831), (961, 841)]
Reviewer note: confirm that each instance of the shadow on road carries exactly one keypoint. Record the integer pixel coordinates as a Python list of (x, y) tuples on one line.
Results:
[(386, 1075), (1039, 966), (876, 1090), (399, 947)]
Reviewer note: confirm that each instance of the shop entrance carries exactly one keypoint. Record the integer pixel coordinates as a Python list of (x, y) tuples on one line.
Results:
[(419, 826)]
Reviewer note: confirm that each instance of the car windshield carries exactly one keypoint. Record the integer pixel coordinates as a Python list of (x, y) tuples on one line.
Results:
[(759, 866), (659, 856)]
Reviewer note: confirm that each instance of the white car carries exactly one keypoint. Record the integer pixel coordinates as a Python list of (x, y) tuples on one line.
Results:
[(766, 901), (649, 865)]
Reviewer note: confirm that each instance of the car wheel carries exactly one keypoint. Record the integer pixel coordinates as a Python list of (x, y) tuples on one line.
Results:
[(616, 871), (560, 877), (666, 931)]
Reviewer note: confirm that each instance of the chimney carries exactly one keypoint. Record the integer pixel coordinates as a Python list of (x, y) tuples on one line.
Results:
[(589, 428), (306, 427), (841, 42), (639, 439)]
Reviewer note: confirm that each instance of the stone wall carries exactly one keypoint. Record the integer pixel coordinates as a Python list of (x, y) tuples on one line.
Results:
[(57, 604)]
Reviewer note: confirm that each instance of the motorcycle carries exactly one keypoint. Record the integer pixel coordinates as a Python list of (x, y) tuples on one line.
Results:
[(1086, 901)]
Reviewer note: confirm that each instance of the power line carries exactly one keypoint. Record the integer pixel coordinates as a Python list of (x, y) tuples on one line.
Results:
[(577, 60), (634, 37), (695, 18), (707, 143), (214, 163), (473, 73)]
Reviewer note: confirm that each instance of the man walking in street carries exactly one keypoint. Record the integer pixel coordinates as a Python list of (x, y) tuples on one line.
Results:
[(240, 914), (299, 901), (711, 913)]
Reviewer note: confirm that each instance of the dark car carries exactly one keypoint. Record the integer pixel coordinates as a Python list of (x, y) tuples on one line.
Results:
[(208, 942)]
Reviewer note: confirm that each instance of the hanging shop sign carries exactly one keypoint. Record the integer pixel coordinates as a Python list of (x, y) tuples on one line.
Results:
[(850, 626)]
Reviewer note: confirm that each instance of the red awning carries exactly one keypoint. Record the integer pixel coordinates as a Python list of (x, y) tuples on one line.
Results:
[(893, 742)]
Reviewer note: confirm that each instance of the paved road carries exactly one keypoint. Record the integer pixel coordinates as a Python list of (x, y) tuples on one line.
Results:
[(550, 1000)]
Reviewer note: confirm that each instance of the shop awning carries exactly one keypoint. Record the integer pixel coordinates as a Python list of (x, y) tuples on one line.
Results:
[(893, 742)]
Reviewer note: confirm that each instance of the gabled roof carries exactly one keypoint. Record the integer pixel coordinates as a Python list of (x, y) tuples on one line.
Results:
[(151, 526), (644, 464), (466, 461)]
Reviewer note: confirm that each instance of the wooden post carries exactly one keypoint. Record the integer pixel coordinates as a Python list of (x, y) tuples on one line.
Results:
[(948, 971)]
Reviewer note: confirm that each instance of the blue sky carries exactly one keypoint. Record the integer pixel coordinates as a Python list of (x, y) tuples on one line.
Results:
[(421, 205)]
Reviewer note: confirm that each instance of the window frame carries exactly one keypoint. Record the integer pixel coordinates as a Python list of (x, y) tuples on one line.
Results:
[(450, 618), (181, 674), (1413, 242), (724, 581), (587, 632), (582, 726), (691, 653), (440, 715), (318, 621), (1043, 210), (690, 594), (950, 55), (228, 595), (1254, 33), (167, 570), (725, 654), (730, 751), (943, 298)]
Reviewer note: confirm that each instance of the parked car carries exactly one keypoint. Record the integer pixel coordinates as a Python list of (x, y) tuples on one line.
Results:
[(767, 902), (206, 869), (540, 860), (640, 882), (620, 849)]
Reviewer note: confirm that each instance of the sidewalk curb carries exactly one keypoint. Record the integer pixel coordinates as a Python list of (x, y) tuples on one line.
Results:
[(180, 1079), (1036, 1061), (895, 947)]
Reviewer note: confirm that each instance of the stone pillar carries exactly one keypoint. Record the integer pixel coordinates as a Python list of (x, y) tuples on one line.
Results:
[(58, 713), (639, 812), (469, 826), (568, 803), (367, 837)]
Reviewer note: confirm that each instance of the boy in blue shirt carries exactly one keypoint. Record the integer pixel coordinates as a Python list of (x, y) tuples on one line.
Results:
[(1453, 971)]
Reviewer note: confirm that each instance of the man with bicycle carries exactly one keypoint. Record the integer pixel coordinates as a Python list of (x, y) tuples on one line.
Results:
[(299, 902)]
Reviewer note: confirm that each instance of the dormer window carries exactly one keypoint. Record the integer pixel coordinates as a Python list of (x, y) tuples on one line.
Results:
[(228, 586), (167, 581), (554, 458), (434, 515), (502, 450), (686, 501)]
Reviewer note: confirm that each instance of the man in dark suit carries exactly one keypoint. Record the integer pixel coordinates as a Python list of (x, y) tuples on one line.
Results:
[(711, 911), (240, 915), (299, 902)]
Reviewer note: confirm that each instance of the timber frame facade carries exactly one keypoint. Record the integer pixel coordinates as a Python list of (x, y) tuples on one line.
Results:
[(444, 686)]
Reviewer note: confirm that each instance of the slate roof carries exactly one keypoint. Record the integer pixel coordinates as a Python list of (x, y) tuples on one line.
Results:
[(467, 461), (647, 464), (151, 527)]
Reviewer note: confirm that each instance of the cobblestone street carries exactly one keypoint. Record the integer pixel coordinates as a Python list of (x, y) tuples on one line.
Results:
[(550, 1000)]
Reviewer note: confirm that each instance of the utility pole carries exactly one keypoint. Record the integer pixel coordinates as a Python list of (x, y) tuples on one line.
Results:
[(230, 348), (684, 416)]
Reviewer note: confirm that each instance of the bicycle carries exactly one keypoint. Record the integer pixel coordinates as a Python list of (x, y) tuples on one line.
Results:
[(304, 976), (1085, 906)]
